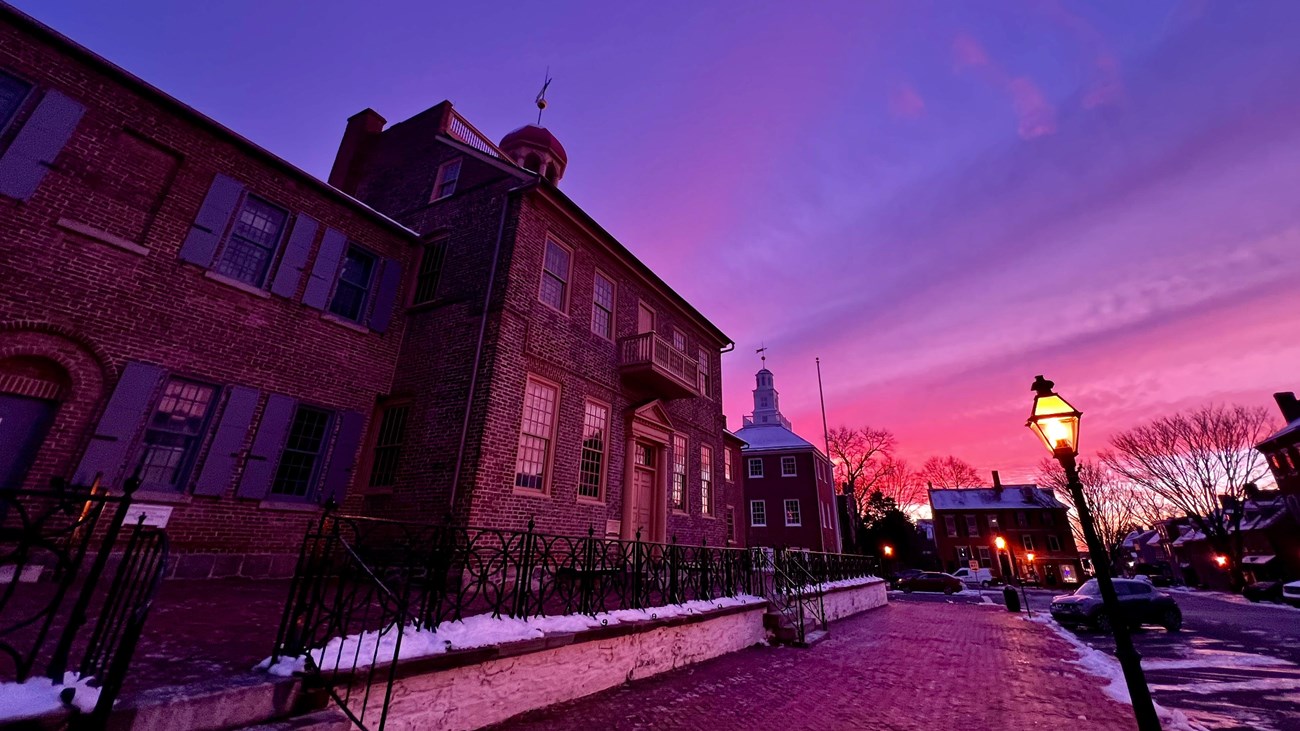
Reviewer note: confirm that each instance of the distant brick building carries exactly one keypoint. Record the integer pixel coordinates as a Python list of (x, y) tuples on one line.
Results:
[(1282, 450), (174, 298), (789, 484), (258, 342), (547, 373), (1030, 518)]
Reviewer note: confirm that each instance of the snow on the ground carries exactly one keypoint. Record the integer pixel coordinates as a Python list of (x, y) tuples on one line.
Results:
[(1233, 598), (1102, 665), (482, 630), (39, 696), (843, 583)]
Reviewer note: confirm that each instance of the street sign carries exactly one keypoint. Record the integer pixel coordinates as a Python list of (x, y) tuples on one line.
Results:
[(974, 564)]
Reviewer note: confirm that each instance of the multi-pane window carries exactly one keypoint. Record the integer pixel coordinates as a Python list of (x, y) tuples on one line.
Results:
[(726, 464), (993, 523), (299, 463), (448, 176), (555, 276), (1022, 519), (1049, 520), (755, 467), (950, 523), (788, 467), (677, 496), (388, 447), (679, 340), (595, 438), (1053, 543), (602, 306), (986, 559), (972, 526), (758, 513), (426, 279), (706, 480), (792, 515), (702, 374), (536, 435), (174, 431), (731, 525), (963, 555), (353, 288), (12, 93), (1028, 540), (253, 242)]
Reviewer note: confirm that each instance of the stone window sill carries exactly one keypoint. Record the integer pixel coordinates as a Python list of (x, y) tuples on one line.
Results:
[(344, 323), (235, 283), (147, 495), (102, 237), (288, 506)]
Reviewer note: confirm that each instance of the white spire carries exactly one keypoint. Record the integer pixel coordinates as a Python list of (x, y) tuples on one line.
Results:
[(767, 402)]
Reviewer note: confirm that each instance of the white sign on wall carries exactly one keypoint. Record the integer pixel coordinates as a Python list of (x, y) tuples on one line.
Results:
[(155, 516)]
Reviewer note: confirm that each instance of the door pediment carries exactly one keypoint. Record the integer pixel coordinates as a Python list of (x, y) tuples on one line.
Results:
[(651, 420)]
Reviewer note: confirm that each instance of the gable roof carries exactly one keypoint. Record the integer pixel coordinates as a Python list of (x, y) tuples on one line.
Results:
[(1015, 497)]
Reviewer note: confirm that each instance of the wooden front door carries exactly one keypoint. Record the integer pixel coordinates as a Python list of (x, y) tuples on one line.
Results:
[(23, 423), (643, 491)]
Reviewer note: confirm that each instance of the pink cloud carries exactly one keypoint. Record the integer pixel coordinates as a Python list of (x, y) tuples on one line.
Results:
[(1105, 87), (1035, 116), (905, 102)]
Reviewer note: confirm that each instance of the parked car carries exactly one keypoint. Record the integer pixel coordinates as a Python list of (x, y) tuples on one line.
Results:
[(898, 576), (1263, 591), (1140, 603), (1291, 593), (932, 581), (975, 577)]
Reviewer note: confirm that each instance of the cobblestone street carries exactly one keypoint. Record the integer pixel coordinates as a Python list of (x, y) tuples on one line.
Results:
[(905, 666)]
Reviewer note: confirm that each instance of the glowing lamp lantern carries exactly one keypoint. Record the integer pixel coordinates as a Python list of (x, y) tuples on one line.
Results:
[(1221, 561), (1054, 420), (889, 551), (1000, 542), (1030, 556)]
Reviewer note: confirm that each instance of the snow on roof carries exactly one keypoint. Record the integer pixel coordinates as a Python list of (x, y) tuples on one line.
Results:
[(764, 437), (1293, 426), (987, 498)]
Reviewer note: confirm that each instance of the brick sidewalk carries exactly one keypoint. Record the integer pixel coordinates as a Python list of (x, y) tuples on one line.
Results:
[(904, 667)]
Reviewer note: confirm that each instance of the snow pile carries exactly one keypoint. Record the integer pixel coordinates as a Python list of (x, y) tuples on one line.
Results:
[(482, 630), (1104, 666), (39, 696), (842, 583)]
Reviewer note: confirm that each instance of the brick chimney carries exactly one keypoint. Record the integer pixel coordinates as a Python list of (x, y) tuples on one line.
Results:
[(358, 139), (997, 486), (1286, 401)]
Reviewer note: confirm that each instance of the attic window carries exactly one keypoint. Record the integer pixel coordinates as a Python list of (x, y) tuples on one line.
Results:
[(448, 176)]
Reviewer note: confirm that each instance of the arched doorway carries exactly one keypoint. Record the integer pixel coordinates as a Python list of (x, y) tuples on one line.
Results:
[(31, 391)]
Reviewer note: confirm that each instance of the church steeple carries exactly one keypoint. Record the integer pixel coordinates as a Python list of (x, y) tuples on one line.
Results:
[(767, 402)]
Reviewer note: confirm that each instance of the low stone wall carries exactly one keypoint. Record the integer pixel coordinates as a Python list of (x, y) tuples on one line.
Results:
[(494, 684), (847, 601)]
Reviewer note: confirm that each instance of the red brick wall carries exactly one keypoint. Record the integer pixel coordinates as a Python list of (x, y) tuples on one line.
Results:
[(137, 169), (522, 336), (814, 491), (1038, 527)]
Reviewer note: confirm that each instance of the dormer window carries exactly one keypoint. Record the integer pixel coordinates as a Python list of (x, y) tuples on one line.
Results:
[(448, 176)]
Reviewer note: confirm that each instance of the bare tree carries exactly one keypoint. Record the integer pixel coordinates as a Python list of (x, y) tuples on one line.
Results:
[(1199, 462), (951, 473), (860, 456), (1118, 507), (904, 485)]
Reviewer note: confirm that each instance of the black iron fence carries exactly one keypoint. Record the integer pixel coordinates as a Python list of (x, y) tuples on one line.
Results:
[(76, 583), (359, 576)]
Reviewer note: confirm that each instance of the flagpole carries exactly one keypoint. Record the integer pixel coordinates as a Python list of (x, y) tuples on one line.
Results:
[(826, 433)]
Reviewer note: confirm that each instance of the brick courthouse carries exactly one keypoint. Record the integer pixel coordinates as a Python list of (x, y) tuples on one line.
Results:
[(437, 330)]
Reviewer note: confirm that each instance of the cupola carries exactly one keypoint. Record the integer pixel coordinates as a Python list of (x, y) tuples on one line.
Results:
[(535, 149)]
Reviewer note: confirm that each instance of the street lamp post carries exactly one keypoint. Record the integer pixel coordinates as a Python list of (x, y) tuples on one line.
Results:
[(1056, 422)]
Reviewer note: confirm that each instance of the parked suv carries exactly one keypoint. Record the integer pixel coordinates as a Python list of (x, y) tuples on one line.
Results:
[(975, 577), (1140, 603)]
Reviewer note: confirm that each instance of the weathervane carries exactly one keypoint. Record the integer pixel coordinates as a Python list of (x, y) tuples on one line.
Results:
[(541, 96), (762, 354)]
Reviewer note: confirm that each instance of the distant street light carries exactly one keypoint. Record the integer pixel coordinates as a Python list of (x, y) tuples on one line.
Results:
[(1056, 422), (889, 551), (1221, 561)]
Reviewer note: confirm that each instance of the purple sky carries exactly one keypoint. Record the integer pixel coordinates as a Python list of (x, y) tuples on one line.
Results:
[(939, 199)]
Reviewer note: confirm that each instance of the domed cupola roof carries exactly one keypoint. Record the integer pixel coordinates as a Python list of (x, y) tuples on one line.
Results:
[(536, 149)]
